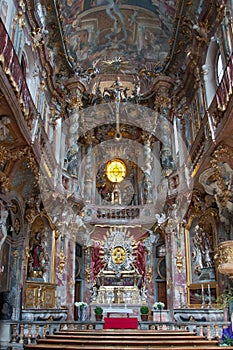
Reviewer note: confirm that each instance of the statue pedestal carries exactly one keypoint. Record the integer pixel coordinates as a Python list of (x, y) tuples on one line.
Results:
[(161, 315), (44, 314)]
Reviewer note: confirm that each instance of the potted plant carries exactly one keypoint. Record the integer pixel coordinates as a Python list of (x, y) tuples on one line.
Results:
[(98, 313), (225, 301), (144, 312)]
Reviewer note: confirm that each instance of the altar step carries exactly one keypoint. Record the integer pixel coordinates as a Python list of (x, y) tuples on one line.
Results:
[(123, 339)]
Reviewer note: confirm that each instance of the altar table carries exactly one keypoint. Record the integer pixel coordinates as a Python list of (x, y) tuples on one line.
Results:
[(118, 311), (120, 323)]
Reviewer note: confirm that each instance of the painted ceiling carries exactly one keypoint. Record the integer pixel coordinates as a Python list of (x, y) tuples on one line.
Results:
[(111, 37), (107, 29), (136, 40)]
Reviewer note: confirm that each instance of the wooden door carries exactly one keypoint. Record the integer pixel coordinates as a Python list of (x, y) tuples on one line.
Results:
[(162, 293), (77, 297)]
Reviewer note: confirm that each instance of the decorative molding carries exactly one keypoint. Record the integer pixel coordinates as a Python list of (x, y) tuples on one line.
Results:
[(62, 261), (179, 260), (7, 156)]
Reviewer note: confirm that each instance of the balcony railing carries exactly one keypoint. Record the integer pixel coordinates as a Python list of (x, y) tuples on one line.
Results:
[(224, 90), (11, 66), (143, 214)]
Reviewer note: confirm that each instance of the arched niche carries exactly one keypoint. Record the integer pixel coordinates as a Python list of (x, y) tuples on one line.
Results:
[(40, 264), (201, 243)]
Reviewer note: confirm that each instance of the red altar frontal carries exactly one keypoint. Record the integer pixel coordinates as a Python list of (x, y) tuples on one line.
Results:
[(120, 323)]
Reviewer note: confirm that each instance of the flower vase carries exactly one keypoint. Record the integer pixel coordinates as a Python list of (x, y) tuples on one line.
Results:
[(160, 313), (81, 314)]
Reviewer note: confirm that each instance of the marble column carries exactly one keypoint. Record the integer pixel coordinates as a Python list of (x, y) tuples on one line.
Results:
[(75, 90), (162, 106), (148, 161)]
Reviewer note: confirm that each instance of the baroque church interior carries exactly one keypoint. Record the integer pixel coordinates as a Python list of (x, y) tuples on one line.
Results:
[(116, 162)]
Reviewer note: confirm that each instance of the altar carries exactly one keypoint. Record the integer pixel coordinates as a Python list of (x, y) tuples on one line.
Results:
[(117, 311), (119, 284)]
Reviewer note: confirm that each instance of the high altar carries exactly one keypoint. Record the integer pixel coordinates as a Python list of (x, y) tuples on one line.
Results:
[(119, 268)]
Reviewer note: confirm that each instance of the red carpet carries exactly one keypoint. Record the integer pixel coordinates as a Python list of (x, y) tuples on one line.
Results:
[(123, 323)]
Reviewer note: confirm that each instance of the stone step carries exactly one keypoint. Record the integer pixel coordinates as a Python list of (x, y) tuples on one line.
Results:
[(124, 336), (124, 339), (121, 347), (147, 342)]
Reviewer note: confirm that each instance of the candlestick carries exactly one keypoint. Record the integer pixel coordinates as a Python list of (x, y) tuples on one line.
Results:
[(181, 299), (209, 294), (202, 296)]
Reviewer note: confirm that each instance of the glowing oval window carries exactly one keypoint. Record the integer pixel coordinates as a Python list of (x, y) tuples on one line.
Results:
[(116, 170)]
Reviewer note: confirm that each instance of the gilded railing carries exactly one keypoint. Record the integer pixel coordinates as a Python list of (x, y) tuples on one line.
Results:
[(12, 68)]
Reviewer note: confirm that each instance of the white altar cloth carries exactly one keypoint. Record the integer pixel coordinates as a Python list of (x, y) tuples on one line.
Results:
[(120, 310)]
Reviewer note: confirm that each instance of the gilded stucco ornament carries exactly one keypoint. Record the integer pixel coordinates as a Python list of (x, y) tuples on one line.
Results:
[(75, 102), (162, 102), (5, 182), (222, 176), (6, 157), (179, 260), (118, 252), (149, 274), (88, 274), (62, 261), (37, 38), (20, 19), (223, 152)]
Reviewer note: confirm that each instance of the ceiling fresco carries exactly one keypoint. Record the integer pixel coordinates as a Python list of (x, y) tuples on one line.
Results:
[(108, 29), (97, 41)]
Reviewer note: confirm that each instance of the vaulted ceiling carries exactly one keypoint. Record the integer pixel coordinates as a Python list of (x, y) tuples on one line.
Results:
[(128, 38)]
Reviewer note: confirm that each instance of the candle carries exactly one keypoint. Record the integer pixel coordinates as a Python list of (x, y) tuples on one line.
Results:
[(209, 290), (202, 288)]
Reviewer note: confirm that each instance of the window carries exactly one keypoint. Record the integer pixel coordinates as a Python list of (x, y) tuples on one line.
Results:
[(219, 68)]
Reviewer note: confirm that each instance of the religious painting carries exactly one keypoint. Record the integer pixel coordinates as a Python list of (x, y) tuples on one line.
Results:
[(4, 267), (40, 251), (202, 295)]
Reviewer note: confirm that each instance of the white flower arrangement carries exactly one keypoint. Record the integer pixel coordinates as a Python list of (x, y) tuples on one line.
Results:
[(81, 304), (158, 305)]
